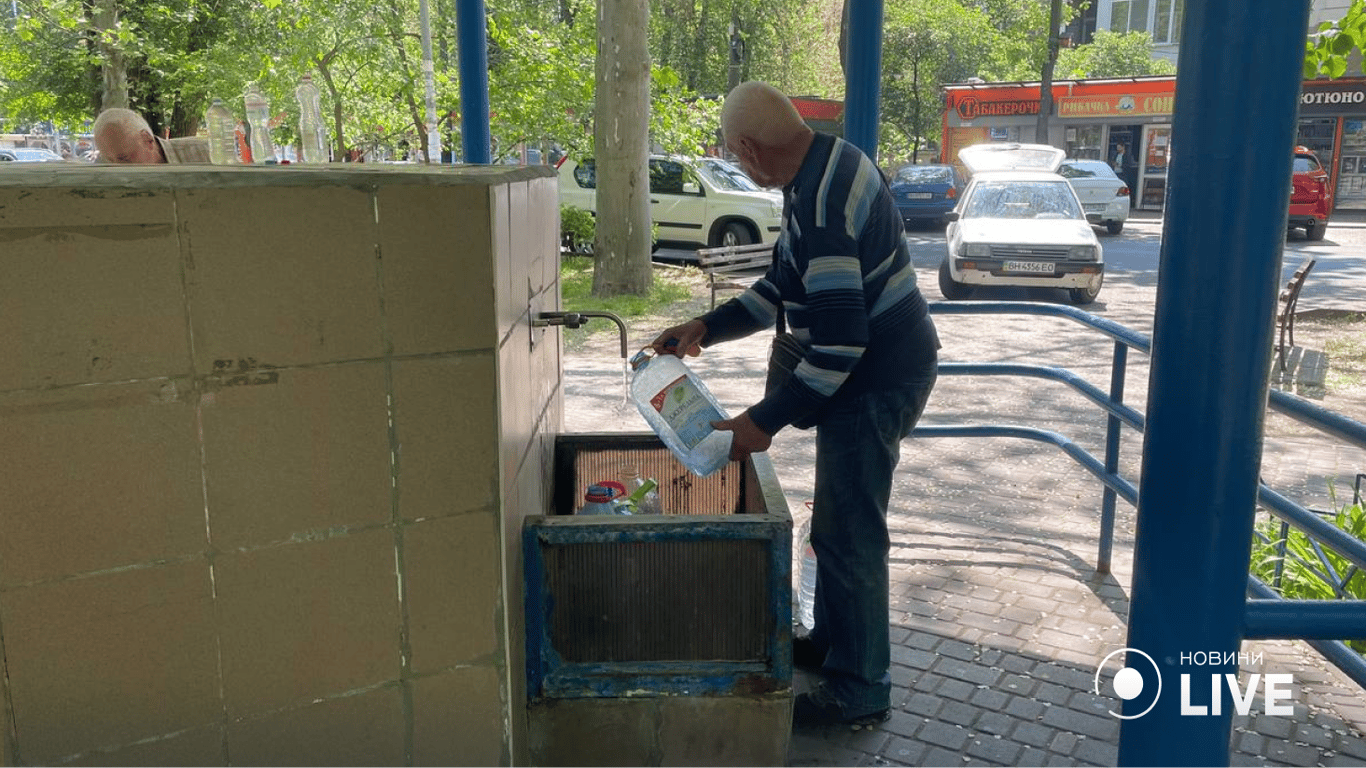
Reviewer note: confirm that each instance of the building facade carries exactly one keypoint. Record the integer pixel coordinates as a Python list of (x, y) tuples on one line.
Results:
[(1092, 118)]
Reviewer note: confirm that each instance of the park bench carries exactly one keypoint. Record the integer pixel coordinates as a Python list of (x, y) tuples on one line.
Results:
[(1285, 316), (733, 266)]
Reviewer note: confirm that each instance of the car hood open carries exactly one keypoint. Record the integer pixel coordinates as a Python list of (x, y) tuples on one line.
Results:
[(1011, 156)]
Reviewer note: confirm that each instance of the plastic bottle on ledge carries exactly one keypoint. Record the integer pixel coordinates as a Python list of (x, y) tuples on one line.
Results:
[(258, 125), (642, 496), (312, 145), (680, 409), (600, 501), (222, 134)]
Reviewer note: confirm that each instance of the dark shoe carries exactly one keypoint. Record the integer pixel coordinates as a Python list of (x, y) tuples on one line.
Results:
[(818, 708), (806, 654)]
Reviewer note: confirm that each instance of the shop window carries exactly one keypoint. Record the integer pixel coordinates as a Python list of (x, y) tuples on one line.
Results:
[(1083, 142)]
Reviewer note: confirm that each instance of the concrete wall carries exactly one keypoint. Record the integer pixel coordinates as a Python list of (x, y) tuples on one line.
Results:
[(266, 440)]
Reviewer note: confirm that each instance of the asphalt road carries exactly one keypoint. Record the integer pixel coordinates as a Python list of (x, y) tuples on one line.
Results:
[(1338, 281)]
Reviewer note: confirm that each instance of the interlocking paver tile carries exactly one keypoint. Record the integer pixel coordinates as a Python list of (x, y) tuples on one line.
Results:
[(998, 751), (1097, 752), (1342, 760), (962, 670), (1081, 723), (956, 690), (1063, 743), (943, 734)]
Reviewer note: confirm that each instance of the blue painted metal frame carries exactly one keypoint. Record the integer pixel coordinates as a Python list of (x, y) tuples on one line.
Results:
[(1117, 413), (472, 41), (549, 676), (1264, 616), (863, 81), (1212, 348)]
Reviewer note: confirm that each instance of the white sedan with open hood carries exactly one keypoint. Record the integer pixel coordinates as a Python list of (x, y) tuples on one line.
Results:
[(1019, 223)]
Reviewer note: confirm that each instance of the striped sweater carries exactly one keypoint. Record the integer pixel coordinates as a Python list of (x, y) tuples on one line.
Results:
[(843, 276)]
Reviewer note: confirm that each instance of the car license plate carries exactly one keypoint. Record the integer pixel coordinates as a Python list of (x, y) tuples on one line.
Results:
[(1032, 267), (1094, 207), (919, 195)]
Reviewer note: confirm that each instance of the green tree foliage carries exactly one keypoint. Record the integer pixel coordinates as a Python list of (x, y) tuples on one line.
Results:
[(1328, 48), (1020, 48), (171, 51), (925, 43), (1112, 54), (789, 43)]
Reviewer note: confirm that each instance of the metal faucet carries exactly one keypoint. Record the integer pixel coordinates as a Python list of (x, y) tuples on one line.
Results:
[(577, 320)]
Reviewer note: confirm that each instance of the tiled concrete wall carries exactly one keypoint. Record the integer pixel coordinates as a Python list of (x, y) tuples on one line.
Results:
[(266, 440)]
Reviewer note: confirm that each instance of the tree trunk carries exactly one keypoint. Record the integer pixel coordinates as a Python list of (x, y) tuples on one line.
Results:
[(324, 67), (114, 66), (1046, 81), (621, 149)]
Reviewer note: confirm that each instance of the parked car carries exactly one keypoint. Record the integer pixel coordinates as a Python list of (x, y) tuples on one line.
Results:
[(29, 155), (694, 201), (1019, 223), (1311, 197), (1104, 196), (925, 193)]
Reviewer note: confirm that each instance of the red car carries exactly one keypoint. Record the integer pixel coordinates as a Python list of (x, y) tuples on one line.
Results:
[(1311, 199)]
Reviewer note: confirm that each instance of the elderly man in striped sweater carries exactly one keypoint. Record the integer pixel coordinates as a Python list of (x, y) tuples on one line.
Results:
[(843, 283)]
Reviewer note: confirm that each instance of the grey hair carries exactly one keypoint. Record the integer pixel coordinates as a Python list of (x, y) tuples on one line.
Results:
[(760, 112), (125, 120)]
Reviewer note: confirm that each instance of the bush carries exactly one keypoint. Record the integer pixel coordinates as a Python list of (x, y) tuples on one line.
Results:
[(578, 227), (1304, 575)]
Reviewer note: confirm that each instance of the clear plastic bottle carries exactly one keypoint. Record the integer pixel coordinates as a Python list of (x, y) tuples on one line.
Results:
[(312, 144), (678, 407), (222, 134), (641, 493), (599, 501), (258, 124), (806, 584)]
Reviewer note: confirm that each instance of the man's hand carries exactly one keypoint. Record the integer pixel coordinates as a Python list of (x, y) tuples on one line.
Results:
[(747, 437), (687, 337)]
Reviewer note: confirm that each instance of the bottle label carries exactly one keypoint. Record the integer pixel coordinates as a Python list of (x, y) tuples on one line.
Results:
[(684, 409)]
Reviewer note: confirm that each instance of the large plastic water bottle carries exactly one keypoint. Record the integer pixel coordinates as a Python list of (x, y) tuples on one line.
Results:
[(312, 143), (222, 134), (678, 407), (806, 578), (258, 123)]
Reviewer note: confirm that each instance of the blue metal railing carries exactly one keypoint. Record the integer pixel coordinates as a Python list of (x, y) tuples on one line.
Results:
[(1320, 623)]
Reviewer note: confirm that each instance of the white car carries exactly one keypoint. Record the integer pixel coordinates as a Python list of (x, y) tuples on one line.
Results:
[(1104, 196), (702, 201), (1019, 223)]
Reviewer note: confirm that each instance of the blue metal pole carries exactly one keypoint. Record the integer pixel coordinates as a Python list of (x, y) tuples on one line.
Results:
[(472, 31), (1228, 187), (1118, 372), (863, 77)]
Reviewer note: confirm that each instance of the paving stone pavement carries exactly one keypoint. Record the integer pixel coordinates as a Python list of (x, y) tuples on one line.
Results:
[(998, 615)]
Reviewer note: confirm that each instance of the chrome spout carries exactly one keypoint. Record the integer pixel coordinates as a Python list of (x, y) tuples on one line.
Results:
[(577, 320)]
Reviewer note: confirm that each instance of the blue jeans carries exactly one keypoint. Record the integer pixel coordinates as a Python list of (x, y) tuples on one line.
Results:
[(858, 445)]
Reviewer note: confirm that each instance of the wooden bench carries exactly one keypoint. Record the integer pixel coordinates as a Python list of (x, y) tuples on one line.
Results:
[(733, 266), (1285, 316)]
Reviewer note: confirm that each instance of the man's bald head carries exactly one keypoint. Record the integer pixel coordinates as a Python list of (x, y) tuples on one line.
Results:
[(123, 136), (761, 112), (762, 129)]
